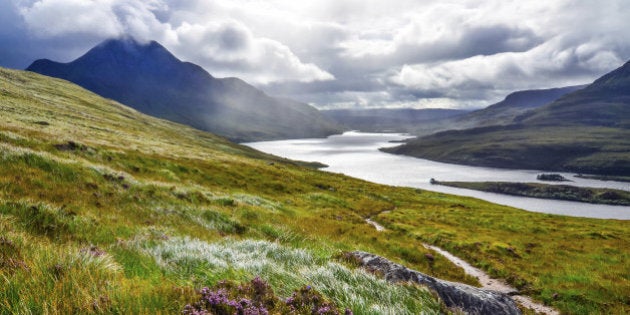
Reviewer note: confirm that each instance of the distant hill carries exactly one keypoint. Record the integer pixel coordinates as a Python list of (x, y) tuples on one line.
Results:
[(428, 121), (515, 104), (150, 79), (587, 131), (385, 119)]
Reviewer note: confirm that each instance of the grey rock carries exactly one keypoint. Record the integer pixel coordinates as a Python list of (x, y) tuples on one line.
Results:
[(460, 296)]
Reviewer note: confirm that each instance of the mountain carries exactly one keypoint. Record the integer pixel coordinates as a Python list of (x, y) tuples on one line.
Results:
[(605, 103), (150, 79), (587, 131), (105, 210), (513, 105), (392, 120)]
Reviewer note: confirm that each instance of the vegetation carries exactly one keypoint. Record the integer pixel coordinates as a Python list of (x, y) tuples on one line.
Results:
[(561, 192), (605, 178), (106, 210), (257, 298)]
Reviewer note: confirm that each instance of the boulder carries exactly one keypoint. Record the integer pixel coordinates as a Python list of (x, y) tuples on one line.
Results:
[(469, 299)]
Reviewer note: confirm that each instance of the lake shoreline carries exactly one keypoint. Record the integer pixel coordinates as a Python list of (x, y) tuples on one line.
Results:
[(357, 155), (546, 191)]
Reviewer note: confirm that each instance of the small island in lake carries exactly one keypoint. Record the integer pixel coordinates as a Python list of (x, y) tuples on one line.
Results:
[(552, 178), (545, 191)]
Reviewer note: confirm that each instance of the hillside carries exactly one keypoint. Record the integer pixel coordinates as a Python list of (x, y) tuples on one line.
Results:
[(515, 104), (390, 120), (106, 210), (587, 131), (150, 79), (604, 103)]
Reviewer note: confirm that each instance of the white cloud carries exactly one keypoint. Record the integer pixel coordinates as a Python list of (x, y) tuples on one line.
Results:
[(231, 49), (378, 52), (68, 17)]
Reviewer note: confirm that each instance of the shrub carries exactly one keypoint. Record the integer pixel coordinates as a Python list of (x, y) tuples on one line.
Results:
[(257, 298)]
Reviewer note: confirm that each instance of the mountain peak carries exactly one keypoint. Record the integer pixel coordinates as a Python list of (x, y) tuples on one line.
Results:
[(147, 77), (126, 50)]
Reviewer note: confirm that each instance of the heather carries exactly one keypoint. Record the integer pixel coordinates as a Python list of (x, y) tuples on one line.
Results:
[(257, 298)]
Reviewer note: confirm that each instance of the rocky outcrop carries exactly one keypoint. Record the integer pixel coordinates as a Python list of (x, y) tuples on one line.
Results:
[(460, 296)]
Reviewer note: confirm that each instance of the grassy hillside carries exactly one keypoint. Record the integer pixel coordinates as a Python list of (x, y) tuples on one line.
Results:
[(103, 209), (580, 149)]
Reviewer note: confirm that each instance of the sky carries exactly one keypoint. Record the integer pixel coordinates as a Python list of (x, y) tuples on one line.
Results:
[(346, 53)]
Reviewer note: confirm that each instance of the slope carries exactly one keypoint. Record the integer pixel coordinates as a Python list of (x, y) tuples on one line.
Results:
[(106, 210), (515, 104), (150, 79), (587, 131)]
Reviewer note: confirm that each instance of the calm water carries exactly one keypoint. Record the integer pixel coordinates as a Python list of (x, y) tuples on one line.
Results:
[(356, 154)]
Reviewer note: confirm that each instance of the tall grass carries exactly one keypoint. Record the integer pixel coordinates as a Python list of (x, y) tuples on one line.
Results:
[(286, 268)]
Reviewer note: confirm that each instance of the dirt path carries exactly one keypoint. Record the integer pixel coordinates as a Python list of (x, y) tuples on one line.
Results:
[(377, 226), (486, 281)]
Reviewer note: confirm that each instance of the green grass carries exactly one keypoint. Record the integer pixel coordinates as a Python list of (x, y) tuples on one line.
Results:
[(140, 192), (559, 192)]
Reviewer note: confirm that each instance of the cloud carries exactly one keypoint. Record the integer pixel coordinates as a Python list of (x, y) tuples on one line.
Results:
[(231, 49), (71, 17), (225, 48), (346, 53)]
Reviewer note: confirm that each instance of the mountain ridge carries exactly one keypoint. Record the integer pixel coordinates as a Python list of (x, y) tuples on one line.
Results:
[(149, 78), (512, 106)]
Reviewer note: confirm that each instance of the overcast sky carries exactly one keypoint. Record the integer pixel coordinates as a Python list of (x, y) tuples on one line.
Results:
[(346, 53)]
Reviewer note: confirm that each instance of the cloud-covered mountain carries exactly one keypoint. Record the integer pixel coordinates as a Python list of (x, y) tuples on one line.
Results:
[(587, 131), (150, 79)]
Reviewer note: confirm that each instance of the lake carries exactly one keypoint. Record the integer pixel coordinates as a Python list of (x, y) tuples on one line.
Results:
[(356, 154)]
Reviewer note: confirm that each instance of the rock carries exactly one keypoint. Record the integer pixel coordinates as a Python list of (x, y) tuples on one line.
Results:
[(460, 296)]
